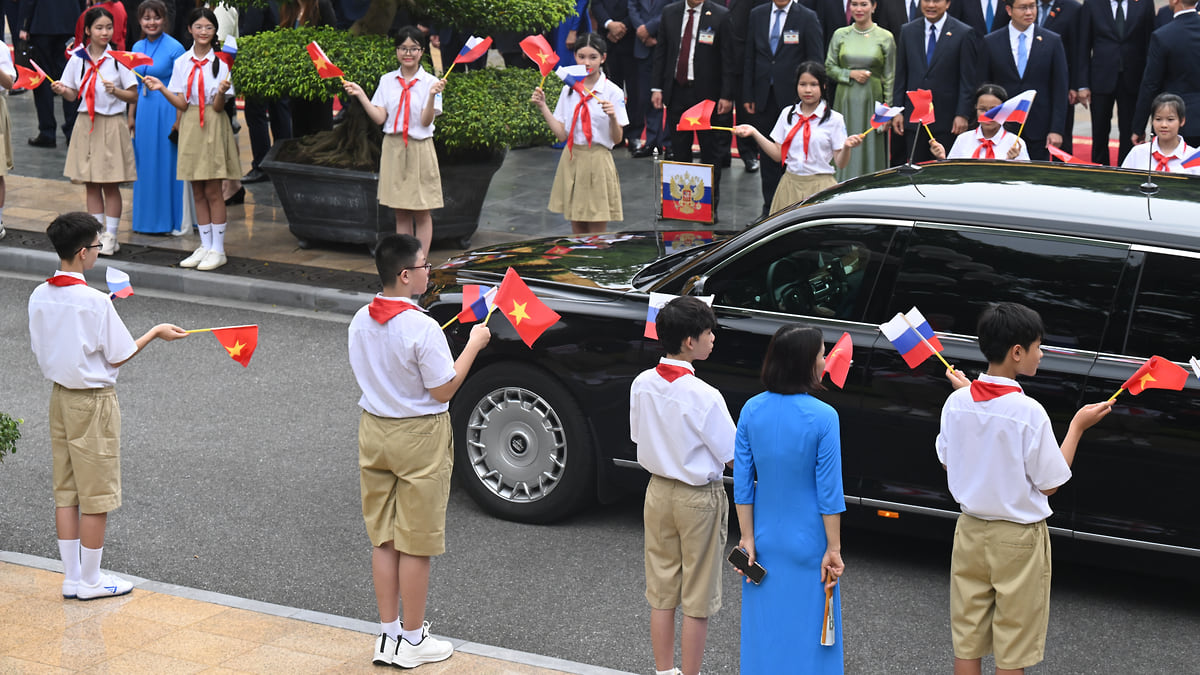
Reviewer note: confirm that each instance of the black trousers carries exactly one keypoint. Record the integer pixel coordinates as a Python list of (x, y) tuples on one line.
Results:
[(264, 120), (770, 172), (642, 115), (48, 52), (714, 145), (1125, 99)]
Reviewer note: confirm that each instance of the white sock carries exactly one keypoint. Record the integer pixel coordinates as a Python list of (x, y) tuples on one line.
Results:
[(99, 217), (665, 672), (111, 223), (68, 550), (218, 237), (206, 236), (89, 563), (391, 629), (1, 215), (413, 636)]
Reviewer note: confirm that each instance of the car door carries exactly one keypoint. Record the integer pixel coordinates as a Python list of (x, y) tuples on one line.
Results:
[(951, 273)]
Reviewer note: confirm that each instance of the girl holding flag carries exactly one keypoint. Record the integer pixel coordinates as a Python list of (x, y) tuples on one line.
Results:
[(405, 103), (1166, 151), (809, 138), (589, 116), (101, 155), (989, 140), (198, 88)]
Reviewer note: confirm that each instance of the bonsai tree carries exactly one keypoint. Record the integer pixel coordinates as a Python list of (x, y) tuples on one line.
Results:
[(10, 433)]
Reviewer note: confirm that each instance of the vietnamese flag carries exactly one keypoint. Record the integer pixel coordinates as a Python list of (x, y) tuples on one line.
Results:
[(131, 60), (28, 79), (922, 101), (540, 52), (696, 118), (528, 315), (837, 361), (1156, 373), (239, 341), (1067, 157), (325, 67)]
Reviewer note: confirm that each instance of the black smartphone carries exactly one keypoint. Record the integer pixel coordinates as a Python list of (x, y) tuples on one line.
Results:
[(740, 560)]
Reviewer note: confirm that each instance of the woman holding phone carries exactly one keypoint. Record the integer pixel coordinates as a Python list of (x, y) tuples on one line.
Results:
[(790, 519)]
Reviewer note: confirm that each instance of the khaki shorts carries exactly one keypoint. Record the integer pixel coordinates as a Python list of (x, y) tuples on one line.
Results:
[(1000, 591), (85, 442), (404, 472), (686, 526)]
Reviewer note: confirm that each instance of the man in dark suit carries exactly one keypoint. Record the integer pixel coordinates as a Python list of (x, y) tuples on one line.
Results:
[(739, 20), (692, 64), (984, 16), (1062, 17), (644, 16), (1114, 36), (612, 21), (47, 26), (779, 37), (1022, 56), (1171, 66), (938, 53)]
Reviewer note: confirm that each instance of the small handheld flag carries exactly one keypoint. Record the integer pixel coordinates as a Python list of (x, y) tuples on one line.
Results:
[(657, 302), (118, 283), (837, 361), (882, 116), (538, 49), (913, 337), (82, 53), (228, 51), (1192, 161), (699, 118), (528, 315), (475, 48), (42, 72), (239, 341), (131, 60), (1067, 157), (28, 78), (325, 67), (477, 302), (573, 77), (922, 101), (1015, 109), (1156, 373)]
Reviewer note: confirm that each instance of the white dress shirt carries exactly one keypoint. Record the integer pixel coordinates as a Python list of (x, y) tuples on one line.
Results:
[(967, 142), (1013, 41), (106, 103), (925, 37), (183, 69), (76, 335), (564, 111), (387, 96), (824, 140), (1141, 157)]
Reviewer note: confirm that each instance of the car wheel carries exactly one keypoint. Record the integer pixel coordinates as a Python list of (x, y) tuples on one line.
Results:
[(522, 447)]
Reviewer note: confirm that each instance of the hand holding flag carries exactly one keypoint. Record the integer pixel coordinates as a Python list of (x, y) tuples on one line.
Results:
[(475, 48), (325, 67), (239, 341), (883, 115), (528, 315), (477, 303), (1155, 373), (538, 49), (41, 72), (837, 361), (118, 283), (913, 337)]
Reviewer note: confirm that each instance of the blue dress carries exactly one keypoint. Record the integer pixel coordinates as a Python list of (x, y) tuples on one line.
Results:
[(157, 195), (795, 444)]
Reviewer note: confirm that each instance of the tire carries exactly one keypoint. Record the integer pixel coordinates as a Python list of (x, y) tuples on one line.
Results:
[(522, 447)]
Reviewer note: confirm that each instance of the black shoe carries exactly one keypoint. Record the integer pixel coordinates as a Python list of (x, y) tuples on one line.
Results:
[(751, 165), (17, 92), (238, 197), (255, 176), (644, 151), (40, 141)]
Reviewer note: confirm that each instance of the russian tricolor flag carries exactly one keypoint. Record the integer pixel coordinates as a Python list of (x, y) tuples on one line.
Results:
[(657, 302), (1014, 109), (884, 114), (905, 331), (475, 48), (573, 76), (118, 283), (1192, 161), (477, 301)]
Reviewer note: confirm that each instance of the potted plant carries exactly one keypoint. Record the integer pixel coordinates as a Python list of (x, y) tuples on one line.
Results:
[(10, 433), (327, 181)]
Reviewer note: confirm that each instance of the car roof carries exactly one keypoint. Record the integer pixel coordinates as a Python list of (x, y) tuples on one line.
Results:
[(1087, 201)]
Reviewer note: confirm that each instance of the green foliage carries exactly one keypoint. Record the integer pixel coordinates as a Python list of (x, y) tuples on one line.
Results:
[(275, 64), (490, 109), (10, 432), (487, 16)]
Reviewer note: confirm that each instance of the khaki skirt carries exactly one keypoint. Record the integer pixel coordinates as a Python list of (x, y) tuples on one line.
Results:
[(409, 178), (6, 163), (100, 152), (793, 188), (586, 187), (208, 152)]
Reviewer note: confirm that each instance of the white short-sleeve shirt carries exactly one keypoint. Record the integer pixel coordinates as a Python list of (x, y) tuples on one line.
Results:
[(1000, 454), (106, 103), (1140, 157), (77, 336), (387, 96), (398, 362), (682, 428), (183, 69), (824, 139), (967, 142), (564, 111), (6, 65)]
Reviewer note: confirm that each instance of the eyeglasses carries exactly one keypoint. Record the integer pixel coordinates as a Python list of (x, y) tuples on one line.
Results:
[(409, 50), (84, 248), (426, 267)]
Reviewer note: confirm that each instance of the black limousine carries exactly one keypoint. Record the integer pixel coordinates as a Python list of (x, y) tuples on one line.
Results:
[(1111, 264)]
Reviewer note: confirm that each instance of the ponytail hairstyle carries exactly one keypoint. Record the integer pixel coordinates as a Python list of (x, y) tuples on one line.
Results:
[(817, 70)]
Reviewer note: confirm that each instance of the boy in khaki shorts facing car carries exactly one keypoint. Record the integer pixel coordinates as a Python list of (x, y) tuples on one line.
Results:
[(80, 343), (1002, 462), (685, 438), (403, 366)]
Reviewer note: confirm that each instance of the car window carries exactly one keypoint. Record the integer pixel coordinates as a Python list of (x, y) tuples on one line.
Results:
[(1167, 308), (824, 270), (953, 274)]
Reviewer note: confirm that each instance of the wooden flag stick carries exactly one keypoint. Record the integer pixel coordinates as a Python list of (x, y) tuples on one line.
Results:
[(928, 131), (543, 84), (923, 340), (1022, 128), (35, 65), (452, 320), (447, 73), (489, 314), (1114, 396), (729, 129), (209, 330)]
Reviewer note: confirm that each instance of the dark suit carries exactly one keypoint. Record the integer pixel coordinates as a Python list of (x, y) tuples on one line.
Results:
[(831, 13), (619, 64), (1111, 67), (950, 76), (1063, 18), (971, 13), (891, 15), (51, 23), (1045, 73), (713, 79), (1171, 66), (739, 20), (769, 78), (646, 13)]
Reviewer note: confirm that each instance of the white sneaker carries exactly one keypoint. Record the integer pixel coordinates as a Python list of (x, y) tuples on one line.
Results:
[(108, 244), (212, 260), (195, 258), (109, 587), (2, 232), (428, 650), (69, 588), (385, 649)]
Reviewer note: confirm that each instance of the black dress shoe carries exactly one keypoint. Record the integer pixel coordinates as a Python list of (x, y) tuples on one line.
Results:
[(644, 151), (751, 165), (238, 197), (40, 141), (255, 176)]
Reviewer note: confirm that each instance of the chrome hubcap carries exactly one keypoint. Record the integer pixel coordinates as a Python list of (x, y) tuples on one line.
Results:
[(516, 445)]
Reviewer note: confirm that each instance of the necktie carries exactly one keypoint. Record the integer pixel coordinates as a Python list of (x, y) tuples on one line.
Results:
[(405, 109), (198, 67), (985, 144), (1120, 20), (671, 373), (787, 141), (685, 50), (1162, 161), (913, 10), (383, 309), (61, 280), (583, 116), (89, 89), (776, 27), (989, 15), (1022, 54), (931, 46), (1043, 14)]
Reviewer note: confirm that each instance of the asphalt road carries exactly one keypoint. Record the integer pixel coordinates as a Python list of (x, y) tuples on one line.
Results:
[(244, 481)]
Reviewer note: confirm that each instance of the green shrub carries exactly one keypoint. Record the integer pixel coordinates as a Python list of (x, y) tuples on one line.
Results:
[(489, 109), (10, 433), (276, 64), (485, 16)]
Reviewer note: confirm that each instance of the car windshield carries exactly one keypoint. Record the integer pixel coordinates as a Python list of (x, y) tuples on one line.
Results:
[(660, 268)]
